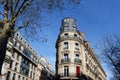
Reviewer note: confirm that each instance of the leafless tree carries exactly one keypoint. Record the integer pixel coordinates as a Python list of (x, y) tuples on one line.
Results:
[(27, 14), (110, 54)]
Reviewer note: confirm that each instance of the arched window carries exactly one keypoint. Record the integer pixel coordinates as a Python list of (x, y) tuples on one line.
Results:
[(76, 46), (75, 35), (66, 35)]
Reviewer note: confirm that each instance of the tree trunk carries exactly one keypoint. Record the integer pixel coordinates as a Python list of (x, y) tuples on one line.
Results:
[(3, 46)]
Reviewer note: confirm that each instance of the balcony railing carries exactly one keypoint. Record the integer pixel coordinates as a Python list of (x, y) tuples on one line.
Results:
[(75, 76), (70, 37), (76, 60), (69, 75), (65, 60)]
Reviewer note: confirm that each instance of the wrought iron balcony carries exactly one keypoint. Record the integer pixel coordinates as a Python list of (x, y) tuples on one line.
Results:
[(70, 37), (76, 60), (69, 75), (74, 76), (65, 60)]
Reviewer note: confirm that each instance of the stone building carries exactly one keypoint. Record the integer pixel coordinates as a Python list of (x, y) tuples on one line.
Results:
[(75, 60), (22, 62)]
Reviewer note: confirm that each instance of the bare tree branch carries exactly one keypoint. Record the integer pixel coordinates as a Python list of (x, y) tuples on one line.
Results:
[(11, 9), (6, 11), (18, 12), (16, 5), (2, 14), (110, 50), (22, 26), (22, 8), (1, 1)]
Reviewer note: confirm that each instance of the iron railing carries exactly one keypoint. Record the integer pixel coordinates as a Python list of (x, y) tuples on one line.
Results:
[(70, 37), (69, 75), (65, 60), (76, 60)]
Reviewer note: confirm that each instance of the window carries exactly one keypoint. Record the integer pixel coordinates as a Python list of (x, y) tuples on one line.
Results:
[(19, 47), (13, 54), (65, 45), (75, 35), (11, 64), (14, 76), (77, 56), (68, 20), (66, 71), (16, 66), (26, 52), (66, 35), (17, 35), (66, 57), (74, 26), (33, 75), (24, 67), (19, 78), (23, 78), (64, 20), (17, 56), (76, 46), (15, 43), (66, 26), (86, 57), (8, 75)]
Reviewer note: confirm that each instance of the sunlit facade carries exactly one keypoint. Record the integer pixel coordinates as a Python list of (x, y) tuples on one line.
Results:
[(75, 60), (22, 62)]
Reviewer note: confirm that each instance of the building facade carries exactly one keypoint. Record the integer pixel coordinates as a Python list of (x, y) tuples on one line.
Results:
[(75, 60), (22, 62)]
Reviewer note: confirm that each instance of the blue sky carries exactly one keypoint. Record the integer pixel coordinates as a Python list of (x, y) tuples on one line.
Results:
[(96, 18)]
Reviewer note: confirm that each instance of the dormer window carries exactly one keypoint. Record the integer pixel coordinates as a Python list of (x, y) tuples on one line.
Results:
[(66, 26), (64, 20), (68, 19), (74, 26)]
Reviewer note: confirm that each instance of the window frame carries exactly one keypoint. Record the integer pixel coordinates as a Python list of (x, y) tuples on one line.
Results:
[(66, 46), (66, 71)]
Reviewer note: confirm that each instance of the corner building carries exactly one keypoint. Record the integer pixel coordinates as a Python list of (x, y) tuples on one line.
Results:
[(75, 60)]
